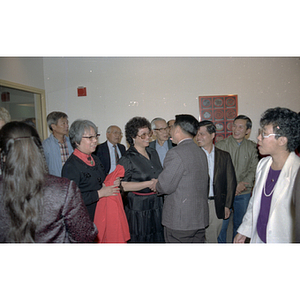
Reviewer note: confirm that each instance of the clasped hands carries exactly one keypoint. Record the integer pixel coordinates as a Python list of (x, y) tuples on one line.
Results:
[(152, 185)]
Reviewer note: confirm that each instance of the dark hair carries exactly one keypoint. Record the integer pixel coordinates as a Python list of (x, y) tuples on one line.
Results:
[(77, 130), (285, 122), (210, 126), (133, 126), (24, 169), (30, 121), (243, 117), (53, 118), (187, 123)]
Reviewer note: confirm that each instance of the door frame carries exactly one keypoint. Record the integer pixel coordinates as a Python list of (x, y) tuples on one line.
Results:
[(43, 129)]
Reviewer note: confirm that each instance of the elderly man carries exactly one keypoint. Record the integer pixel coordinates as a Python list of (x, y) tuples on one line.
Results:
[(111, 150), (162, 143), (222, 180), (57, 146), (184, 182)]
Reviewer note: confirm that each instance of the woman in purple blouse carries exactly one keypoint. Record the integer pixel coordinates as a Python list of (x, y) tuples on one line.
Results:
[(270, 216)]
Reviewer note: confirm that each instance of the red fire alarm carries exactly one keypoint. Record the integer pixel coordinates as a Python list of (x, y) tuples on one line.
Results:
[(81, 91), (5, 97)]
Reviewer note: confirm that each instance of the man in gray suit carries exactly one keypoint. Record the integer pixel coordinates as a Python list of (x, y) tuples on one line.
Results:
[(184, 182)]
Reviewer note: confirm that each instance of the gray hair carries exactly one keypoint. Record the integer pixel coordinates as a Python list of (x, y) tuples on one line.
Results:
[(153, 126), (108, 130), (53, 118), (4, 115), (77, 130)]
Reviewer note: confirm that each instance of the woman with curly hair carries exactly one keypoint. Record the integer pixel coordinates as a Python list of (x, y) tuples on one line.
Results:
[(35, 206), (142, 167), (270, 216)]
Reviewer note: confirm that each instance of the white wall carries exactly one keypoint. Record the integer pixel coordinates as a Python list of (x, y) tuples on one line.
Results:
[(23, 70), (121, 88)]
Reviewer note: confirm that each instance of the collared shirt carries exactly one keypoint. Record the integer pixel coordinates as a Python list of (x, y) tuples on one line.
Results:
[(211, 165), (162, 151), (112, 155), (64, 152)]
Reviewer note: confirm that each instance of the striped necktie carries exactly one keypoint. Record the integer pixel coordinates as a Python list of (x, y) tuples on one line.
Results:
[(116, 154)]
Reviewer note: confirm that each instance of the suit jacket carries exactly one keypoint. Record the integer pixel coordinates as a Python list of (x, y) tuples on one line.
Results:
[(281, 223), (184, 182), (224, 182), (102, 152)]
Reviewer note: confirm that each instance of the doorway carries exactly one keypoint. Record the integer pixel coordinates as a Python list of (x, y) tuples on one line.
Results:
[(25, 103)]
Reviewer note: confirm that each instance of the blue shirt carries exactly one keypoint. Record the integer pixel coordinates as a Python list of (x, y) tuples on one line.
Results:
[(53, 156), (162, 151)]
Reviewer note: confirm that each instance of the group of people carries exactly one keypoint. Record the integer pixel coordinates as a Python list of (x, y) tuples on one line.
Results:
[(173, 183)]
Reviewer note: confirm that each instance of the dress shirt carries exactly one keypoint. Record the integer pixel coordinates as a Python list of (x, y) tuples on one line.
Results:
[(162, 151), (211, 164), (113, 163)]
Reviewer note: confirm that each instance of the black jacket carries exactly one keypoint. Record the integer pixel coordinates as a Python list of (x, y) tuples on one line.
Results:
[(224, 183), (102, 152)]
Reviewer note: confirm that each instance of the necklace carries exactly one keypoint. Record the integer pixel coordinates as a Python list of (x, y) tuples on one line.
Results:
[(275, 175), (268, 195), (90, 160), (270, 192)]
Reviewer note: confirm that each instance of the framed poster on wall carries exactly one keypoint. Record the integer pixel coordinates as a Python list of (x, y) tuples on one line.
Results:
[(221, 110)]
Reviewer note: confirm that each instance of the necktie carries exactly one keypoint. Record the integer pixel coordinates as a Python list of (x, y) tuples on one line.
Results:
[(116, 154)]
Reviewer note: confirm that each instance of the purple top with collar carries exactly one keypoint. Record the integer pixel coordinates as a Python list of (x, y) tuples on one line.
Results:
[(265, 205)]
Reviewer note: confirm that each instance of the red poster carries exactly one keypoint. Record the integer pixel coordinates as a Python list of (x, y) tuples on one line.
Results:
[(221, 110)]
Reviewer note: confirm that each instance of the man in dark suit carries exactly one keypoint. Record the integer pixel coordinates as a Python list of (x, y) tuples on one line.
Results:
[(222, 180), (162, 144), (111, 150), (184, 182)]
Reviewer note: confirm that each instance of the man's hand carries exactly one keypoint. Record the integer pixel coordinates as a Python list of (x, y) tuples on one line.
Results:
[(227, 213), (240, 187)]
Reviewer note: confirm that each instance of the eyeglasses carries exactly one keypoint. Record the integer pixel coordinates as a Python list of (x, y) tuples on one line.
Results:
[(92, 137), (260, 132), (162, 129), (143, 136)]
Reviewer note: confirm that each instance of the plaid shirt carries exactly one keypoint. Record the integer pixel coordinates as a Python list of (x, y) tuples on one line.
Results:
[(64, 152)]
